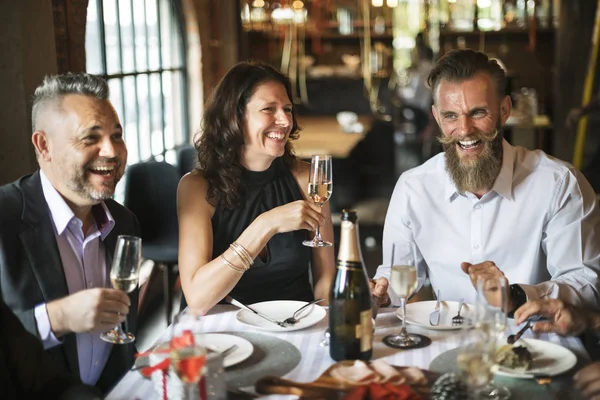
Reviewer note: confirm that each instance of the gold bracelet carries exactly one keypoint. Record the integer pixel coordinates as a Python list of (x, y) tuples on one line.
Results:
[(242, 253), (242, 258), (235, 268)]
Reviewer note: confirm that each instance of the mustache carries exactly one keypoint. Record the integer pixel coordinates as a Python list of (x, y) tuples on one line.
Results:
[(478, 135), (104, 161)]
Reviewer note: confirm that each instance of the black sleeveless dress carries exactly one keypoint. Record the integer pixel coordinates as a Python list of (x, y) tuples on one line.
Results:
[(284, 273)]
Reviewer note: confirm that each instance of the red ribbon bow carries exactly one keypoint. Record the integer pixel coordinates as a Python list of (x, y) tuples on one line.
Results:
[(188, 366)]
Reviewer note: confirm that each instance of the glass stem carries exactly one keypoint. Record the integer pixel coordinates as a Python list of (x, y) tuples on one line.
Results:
[(318, 231), (190, 391), (403, 331)]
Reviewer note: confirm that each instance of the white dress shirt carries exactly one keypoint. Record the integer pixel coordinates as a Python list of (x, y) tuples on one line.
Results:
[(539, 224)]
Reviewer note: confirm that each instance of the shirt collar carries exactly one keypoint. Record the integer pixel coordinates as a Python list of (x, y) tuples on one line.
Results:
[(62, 214), (503, 184)]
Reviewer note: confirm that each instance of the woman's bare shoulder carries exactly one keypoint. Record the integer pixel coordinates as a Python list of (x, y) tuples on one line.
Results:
[(193, 185)]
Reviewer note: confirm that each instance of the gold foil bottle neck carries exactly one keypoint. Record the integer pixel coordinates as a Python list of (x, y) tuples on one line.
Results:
[(349, 238)]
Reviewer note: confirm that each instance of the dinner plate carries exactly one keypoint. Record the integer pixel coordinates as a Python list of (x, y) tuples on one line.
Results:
[(218, 342), (279, 310), (548, 359), (222, 341), (418, 314)]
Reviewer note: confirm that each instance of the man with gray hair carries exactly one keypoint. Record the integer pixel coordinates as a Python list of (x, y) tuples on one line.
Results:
[(484, 209), (58, 229)]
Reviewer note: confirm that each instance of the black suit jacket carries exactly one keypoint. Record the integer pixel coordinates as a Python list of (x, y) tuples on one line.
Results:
[(27, 371), (31, 270)]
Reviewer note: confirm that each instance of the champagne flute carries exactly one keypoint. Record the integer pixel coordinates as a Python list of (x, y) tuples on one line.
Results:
[(490, 319), (320, 186), (124, 276), (476, 359), (188, 357), (403, 281)]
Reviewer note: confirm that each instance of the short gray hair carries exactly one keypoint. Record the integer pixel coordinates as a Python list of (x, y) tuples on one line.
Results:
[(54, 87)]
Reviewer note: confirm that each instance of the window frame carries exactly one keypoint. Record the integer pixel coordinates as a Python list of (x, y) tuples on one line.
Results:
[(178, 21)]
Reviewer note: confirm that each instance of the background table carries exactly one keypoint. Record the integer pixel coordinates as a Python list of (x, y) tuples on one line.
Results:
[(323, 135), (316, 359)]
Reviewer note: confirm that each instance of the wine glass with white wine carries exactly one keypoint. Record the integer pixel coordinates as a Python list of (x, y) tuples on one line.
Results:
[(403, 281), (124, 276), (320, 186)]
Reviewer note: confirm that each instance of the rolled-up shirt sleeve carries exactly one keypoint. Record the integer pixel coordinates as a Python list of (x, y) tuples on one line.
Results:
[(44, 329)]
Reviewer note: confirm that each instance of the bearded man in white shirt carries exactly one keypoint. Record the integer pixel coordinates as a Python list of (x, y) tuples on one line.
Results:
[(485, 209)]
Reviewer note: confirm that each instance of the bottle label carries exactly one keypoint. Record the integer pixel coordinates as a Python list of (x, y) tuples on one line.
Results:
[(349, 265), (364, 331)]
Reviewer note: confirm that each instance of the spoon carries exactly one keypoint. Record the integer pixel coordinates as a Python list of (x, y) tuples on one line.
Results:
[(294, 319)]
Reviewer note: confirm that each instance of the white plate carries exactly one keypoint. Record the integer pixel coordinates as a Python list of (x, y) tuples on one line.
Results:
[(279, 310), (418, 314), (548, 359), (219, 342), (222, 341)]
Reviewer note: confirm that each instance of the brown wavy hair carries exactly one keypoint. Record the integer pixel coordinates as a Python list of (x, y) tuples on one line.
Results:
[(221, 138), (463, 64)]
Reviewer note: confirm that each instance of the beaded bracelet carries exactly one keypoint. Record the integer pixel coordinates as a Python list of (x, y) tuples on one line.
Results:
[(242, 253), (232, 266)]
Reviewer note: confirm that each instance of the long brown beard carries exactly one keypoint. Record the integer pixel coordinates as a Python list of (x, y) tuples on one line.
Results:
[(474, 174)]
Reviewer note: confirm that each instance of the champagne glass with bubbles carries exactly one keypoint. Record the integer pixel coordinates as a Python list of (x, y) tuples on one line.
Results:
[(124, 276), (403, 281), (320, 186)]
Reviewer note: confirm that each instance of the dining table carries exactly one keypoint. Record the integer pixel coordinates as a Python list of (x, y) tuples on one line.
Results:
[(313, 358), (324, 135)]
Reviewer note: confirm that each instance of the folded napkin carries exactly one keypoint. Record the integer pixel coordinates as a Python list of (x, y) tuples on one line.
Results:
[(383, 391)]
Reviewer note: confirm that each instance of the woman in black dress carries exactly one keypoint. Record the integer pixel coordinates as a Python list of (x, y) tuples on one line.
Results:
[(244, 212)]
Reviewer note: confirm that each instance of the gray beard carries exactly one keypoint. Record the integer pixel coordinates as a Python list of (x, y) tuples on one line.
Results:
[(475, 175)]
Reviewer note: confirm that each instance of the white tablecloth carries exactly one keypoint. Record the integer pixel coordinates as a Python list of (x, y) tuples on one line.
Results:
[(316, 359)]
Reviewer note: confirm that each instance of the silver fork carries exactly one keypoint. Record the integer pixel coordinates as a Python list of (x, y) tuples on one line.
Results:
[(459, 319), (294, 318)]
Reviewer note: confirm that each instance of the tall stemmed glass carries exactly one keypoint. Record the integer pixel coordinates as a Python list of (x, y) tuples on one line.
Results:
[(124, 276), (490, 319), (403, 280), (476, 360), (188, 357), (320, 186)]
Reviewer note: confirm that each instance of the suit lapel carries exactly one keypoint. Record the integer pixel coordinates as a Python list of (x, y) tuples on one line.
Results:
[(39, 243)]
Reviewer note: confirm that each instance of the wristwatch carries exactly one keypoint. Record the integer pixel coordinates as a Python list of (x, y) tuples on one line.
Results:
[(518, 297)]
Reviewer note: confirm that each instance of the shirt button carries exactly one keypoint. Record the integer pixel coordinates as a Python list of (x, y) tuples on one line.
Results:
[(96, 363), (478, 206), (475, 246)]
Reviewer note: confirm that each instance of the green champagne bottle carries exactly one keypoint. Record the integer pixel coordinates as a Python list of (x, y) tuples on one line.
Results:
[(350, 313)]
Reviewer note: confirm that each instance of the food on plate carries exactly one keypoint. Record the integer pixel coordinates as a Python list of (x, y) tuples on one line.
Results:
[(378, 371), (449, 387), (358, 373), (383, 391), (387, 373), (514, 357)]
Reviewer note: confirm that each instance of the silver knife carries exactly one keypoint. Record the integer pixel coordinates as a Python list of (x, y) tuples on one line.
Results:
[(236, 303), (434, 317)]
